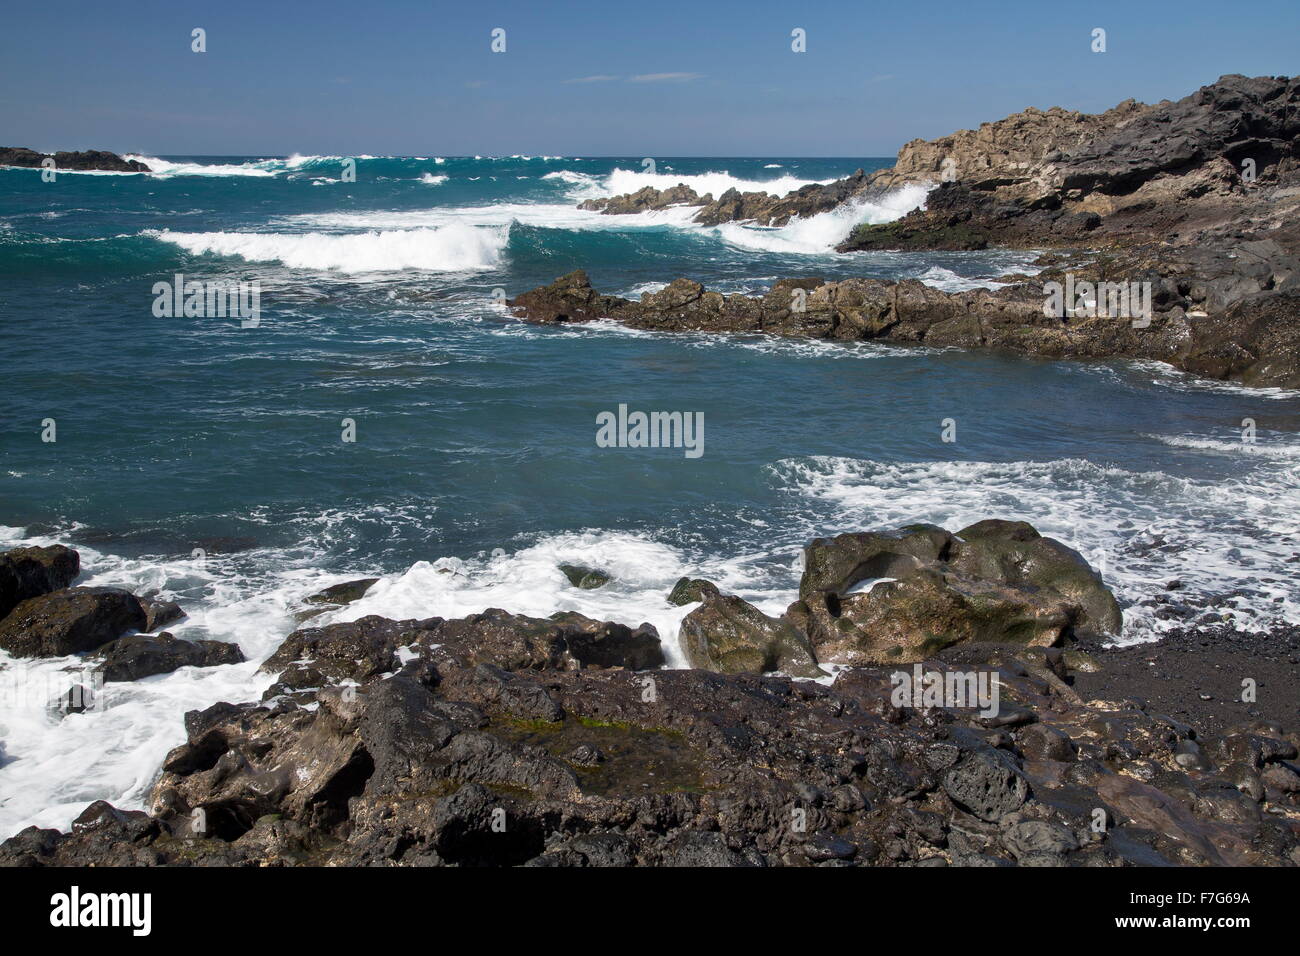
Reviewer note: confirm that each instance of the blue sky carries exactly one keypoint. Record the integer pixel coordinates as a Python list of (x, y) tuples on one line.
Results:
[(659, 77)]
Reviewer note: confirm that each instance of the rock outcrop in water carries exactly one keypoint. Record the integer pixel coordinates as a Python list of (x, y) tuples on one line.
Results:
[(41, 615), (733, 205), (83, 161), (1196, 202), (1252, 335), (499, 739)]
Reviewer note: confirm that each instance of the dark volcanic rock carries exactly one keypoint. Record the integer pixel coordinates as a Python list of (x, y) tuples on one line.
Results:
[(360, 652), (70, 621), (93, 159), (30, 572), (159, 613), (463, 762), (1257, 341), (343, 593), (142, 655), (761, 207)]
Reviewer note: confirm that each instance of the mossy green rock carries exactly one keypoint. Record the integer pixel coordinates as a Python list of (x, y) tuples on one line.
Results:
[(691, 590), (731, 636), (913, 618), (1013, 553), (994, 581), (586, 578), (836, 564)]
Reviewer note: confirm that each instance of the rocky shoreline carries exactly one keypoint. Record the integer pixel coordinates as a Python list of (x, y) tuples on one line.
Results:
[(960, 705), (1194, 205)]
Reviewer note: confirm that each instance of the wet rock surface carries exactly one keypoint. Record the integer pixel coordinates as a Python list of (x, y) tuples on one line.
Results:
[(1254, 340), (70, 621), (143, 655), (506, 740), (30, 572)]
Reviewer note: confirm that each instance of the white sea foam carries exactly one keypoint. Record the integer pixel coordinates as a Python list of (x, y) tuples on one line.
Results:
[(165, 169), (820, 234), (550, 215), (429, 179), (622, 181), (455, 247), (52, 768)]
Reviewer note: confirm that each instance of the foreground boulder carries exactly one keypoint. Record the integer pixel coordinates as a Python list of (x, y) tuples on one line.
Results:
[(903, 596), (70, 621), (30, 572), (143, 655), (731, 636)]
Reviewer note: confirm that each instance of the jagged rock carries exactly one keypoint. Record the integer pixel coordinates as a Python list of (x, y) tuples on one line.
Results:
[(731, 636), (761, 207), (1258, 341), (141, 655), (646, 199), (70, 621), (30, 572), (423, 767), (93, 159), (159, 613), (359, 652)]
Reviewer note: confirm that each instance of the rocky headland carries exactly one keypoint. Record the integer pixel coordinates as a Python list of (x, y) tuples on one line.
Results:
[(92, 160), (1194, 203), (932, 698)]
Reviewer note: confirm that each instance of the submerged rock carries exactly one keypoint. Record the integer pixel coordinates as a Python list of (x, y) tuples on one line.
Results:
[(343, 593), (586, 578)]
